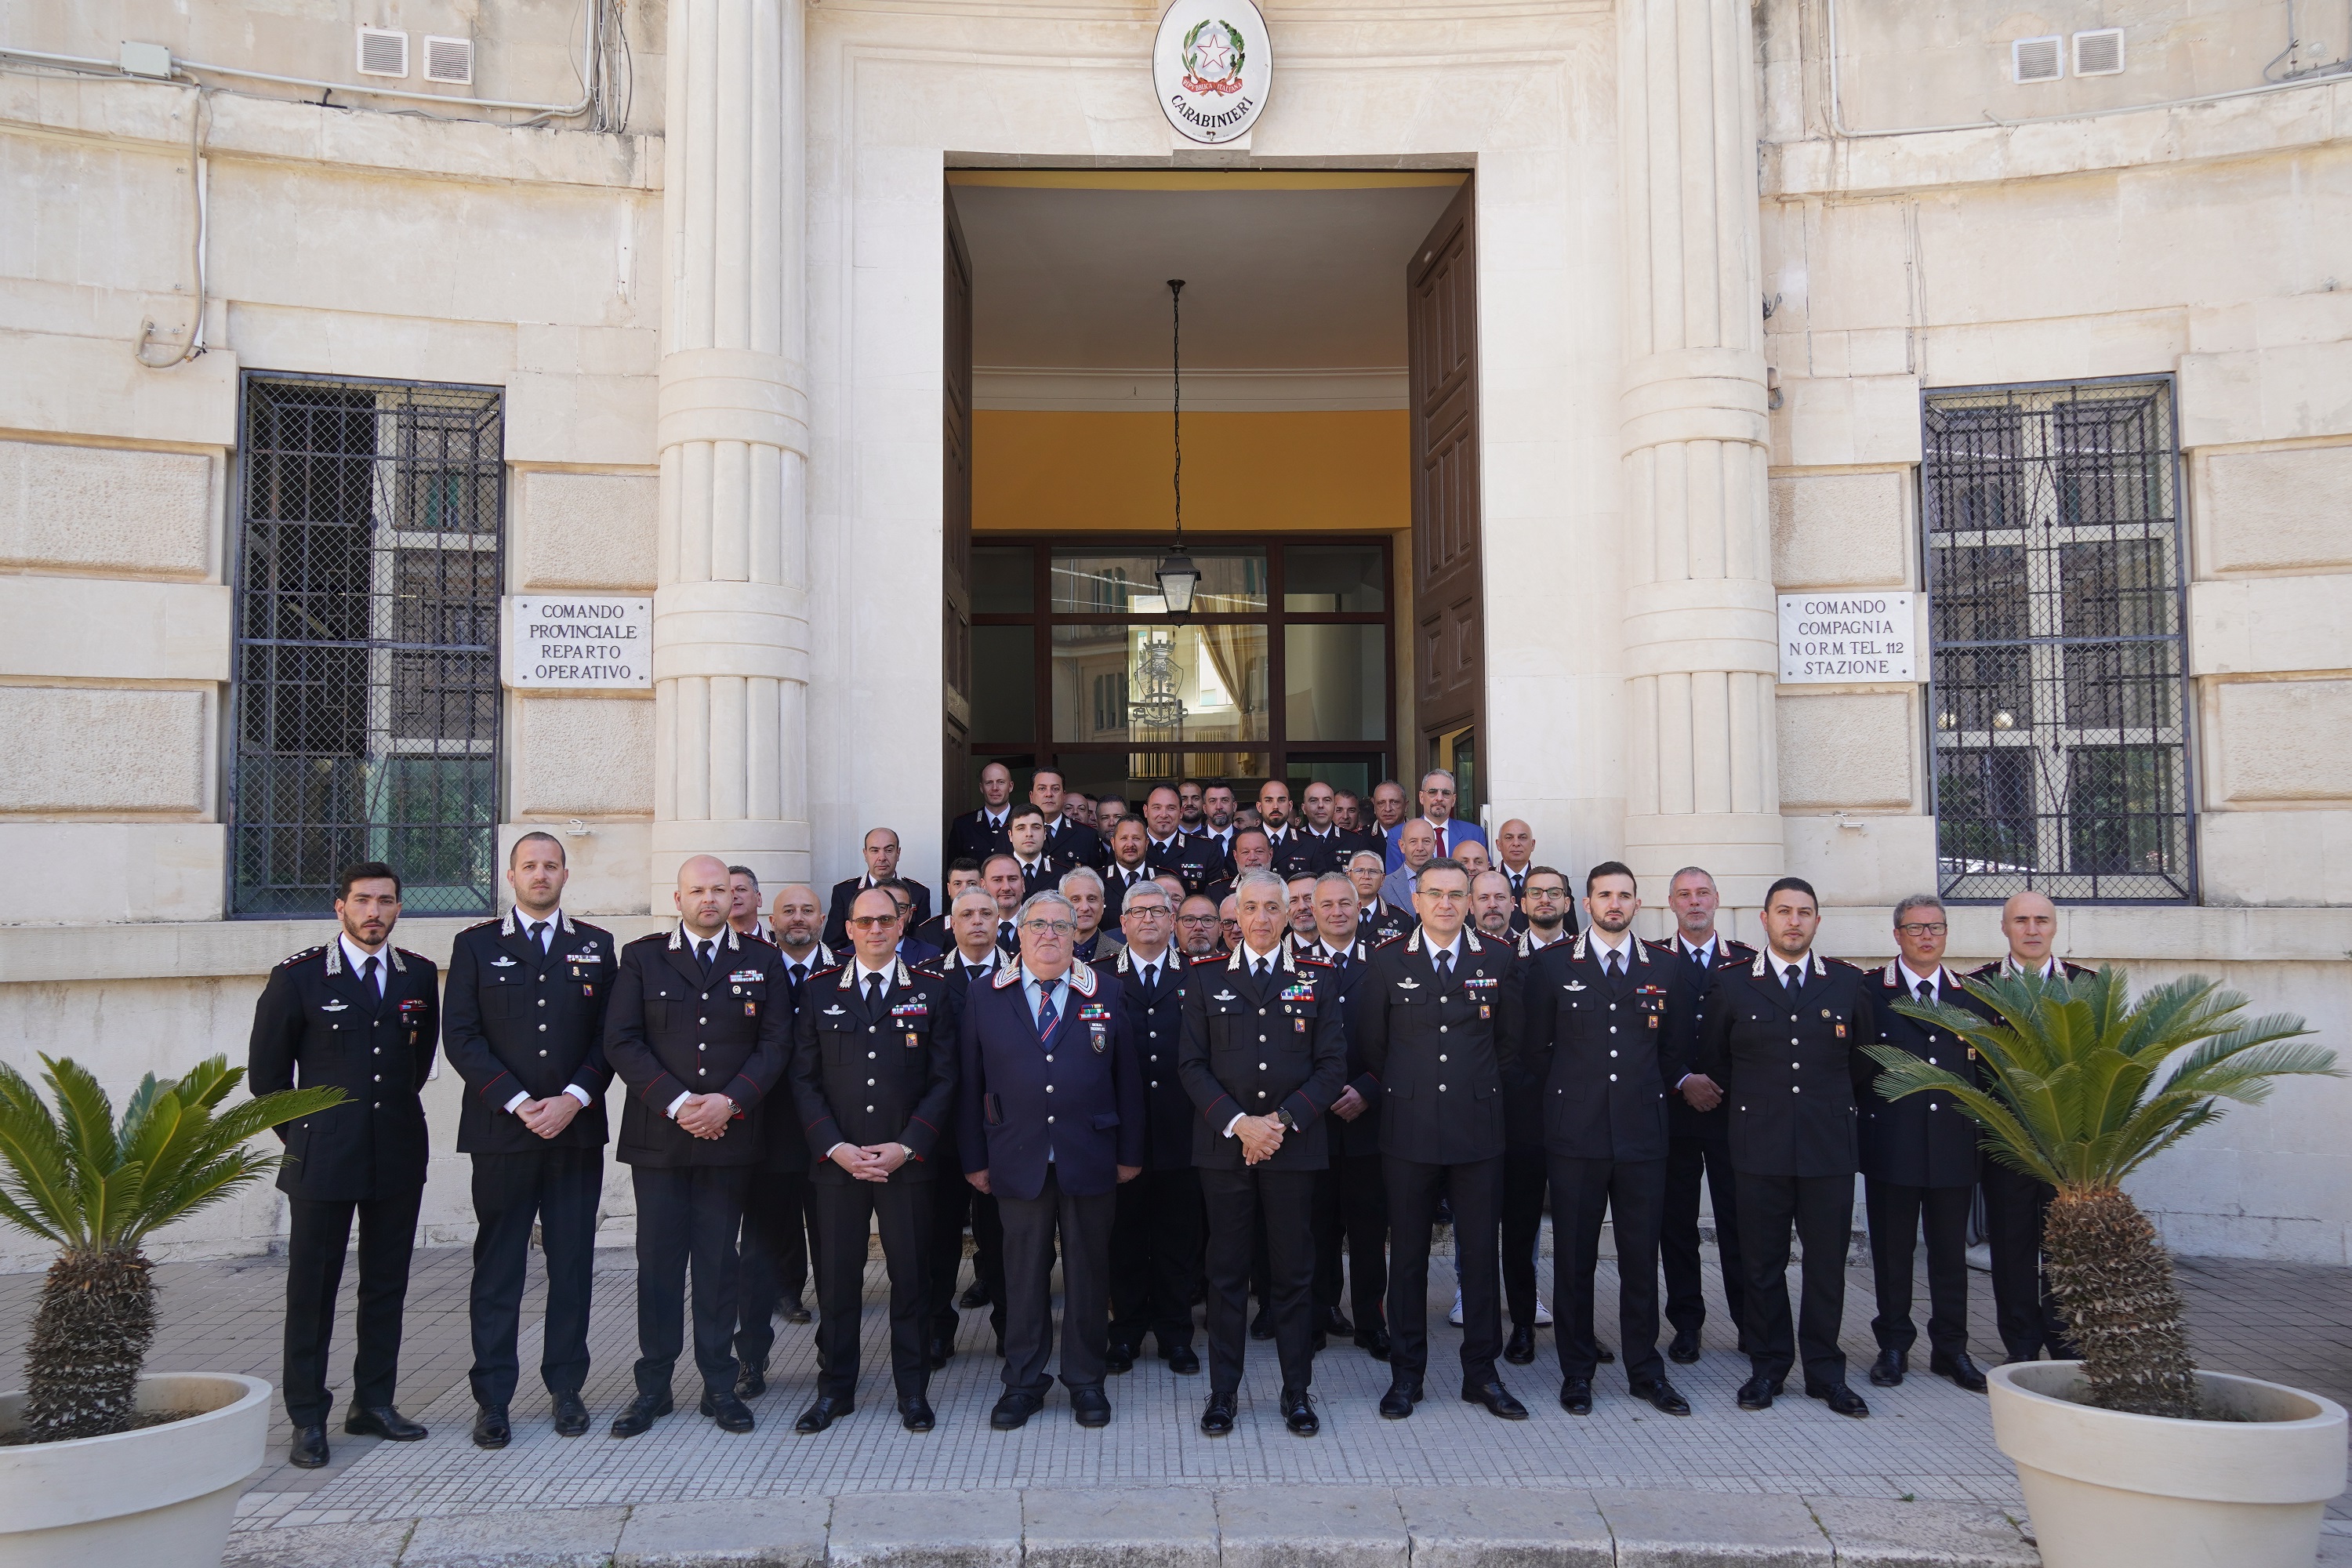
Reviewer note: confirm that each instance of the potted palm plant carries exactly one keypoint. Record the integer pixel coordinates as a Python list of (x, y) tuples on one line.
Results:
[(101, 1464), (2132, 1454)]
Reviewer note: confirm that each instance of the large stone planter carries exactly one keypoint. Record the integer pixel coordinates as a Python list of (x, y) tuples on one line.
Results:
[(2111, 1490), (160, 1497)]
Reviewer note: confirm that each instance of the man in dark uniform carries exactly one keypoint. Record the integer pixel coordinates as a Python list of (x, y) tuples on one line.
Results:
[(524, 1026), (1352, 1200), (977, 834), (1051, 1122), (1160, 1227), (1296, 852), (1069, 841), (1698, 1140), (1919, 1160), (881, 852), (1190, 806), (1377, 920), (1439, 1033), (363, 1017), (1388, 815), (1129, 864), (1607, 1032), (698, 1027), (1041, 869), (1005, 879), (2025, 1310), (780, 1226), (1263, 1058), (1792, 1137), (973, 961), (1216, 826), (1318, 808), (1171, 848), (1526, 1168), (873, 1076), (962, 876), (1199, 933)]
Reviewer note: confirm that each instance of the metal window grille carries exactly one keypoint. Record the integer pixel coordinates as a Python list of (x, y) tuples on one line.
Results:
[(2059, 693), (367, 654)]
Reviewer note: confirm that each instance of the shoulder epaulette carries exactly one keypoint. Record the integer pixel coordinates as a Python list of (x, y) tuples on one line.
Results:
[(1728, 959), (1390, 941), (484, 925), (1315, 962), (411, 952), (1209, 958), (828, 969), (931, 968), (1844, 964), (305, 953), (658, 937)]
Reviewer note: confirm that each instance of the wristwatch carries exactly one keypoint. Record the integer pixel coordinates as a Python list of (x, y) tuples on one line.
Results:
[(1289, 1123)]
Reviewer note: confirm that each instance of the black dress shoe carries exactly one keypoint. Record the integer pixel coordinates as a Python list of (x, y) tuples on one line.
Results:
[(1959, 1369), (571, 1417), (1373, 1343), (642, 1413), (730, 1412), (1664, 1396), (750, 1382), (1398, 1402), (1012, 1411), (1298, 1414), (1887, 1370), (1090, 1407), (383, 1421), (1184, 1361), (491, 1427), (1684, 1348), (938, 1352), (1318, 1342), (1604, 1356), (914, 1413), (1217, 1419), (823, 1412), (1519, 1349), (1262, 1326), (1757, 1393), (797, 1314), (973, 1299), (1576, 1396), (1118, 1359), (1496, 1399), (1838, 1397), (1335, 1323), (308, 1449)]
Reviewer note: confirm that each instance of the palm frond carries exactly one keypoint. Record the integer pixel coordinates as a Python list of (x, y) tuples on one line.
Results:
[(209, 1083), (135, 1112), (88, 1115)]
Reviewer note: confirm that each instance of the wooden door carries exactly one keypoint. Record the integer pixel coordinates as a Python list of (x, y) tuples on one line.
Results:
[(955, 512), (1449, 649)]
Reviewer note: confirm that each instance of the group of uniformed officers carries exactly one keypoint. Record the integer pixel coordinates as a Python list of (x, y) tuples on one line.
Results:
[(1270, 1064)]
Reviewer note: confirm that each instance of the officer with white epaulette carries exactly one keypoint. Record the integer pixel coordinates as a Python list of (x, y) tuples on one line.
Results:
[(525, 1027), (699, 1028), (873, 1079), (1439, 1031), (1159, 1228), (361, 1015), (1352, 1204)]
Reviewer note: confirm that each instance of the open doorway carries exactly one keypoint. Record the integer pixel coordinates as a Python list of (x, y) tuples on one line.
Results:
[(1329, 440)]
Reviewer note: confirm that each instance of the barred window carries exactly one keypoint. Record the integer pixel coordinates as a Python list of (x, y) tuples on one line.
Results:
[(2058, 687), (367, 658)]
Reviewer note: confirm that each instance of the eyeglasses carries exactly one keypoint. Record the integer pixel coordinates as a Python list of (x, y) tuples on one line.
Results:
[(1058, 928), (872, 922), (1196, 919), (1916, 927), (1146, 912)]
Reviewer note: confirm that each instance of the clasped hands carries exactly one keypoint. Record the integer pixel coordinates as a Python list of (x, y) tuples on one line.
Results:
[(705, 1115), (1260, 1136), (550, 1116), (1703, 1092), (871, 1163)]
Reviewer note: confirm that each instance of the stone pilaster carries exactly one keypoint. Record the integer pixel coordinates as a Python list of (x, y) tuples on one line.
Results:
[(730, 612), (1700, 657)]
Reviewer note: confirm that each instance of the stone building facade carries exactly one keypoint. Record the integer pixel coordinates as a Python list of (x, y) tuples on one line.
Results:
[(1832, 296)]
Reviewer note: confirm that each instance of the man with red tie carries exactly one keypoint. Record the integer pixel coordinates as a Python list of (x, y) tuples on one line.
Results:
[(1437, 800)]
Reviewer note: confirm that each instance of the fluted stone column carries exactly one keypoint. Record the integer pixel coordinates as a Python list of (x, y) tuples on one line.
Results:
[(730, 612), (1700, 627)]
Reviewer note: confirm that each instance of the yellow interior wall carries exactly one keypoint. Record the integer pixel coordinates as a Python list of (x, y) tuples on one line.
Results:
[(1052, 472)]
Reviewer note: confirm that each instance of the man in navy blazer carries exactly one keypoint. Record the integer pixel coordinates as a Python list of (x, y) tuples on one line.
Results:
[(1051, 1120)]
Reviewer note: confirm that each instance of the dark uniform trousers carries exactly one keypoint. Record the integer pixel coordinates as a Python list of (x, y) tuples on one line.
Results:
[(1439, 1044), (320, 1024), (1794, 1136), (901, 1212), (1895, 1210), (782, 1247), (1237, 1202), (1157, 1252), (954, 1206), (1520, 1207), (1030, 1226), (2025, 1310), (1362, 1188), (687, 1212), (1698, 1155), (1635, 1193), (557, 1188)]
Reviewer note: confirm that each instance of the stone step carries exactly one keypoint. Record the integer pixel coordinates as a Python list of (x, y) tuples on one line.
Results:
[(1178, 1527)]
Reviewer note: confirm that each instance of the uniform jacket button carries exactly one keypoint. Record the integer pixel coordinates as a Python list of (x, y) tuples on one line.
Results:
[(1612, 1077), (542, 1001), (542, 1053), (1612, 1056), (1049, 1121), (870, 1083), (1155, 1083), (1261, 1067), (869, 1056), (1440, 1028), (543, 1029), (1049, 1061), (1049, 1088), (1441, 1088)]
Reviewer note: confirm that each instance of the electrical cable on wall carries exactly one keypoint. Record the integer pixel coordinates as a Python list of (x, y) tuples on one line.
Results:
[(200, 119)]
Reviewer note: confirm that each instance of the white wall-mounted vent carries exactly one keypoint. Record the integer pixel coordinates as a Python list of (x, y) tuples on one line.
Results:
[(449, 59), (2099, 53), (382, 52), (2037, 59)]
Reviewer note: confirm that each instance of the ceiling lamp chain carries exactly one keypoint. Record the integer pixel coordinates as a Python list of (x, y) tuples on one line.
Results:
[(1178, 576)]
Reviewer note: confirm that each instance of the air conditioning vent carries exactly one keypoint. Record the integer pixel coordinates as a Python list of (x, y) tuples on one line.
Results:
[(2038, 59), (450, 60), (2100, 53), (382, 52)]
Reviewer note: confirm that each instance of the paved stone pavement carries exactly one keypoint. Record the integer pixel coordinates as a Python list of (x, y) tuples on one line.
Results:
[(1926, 1441)]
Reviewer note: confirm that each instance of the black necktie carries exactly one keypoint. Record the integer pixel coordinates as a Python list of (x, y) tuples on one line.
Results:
[(873, 991), (1788, 979), (1259, 970), (1444, 966), (1151, 976), (539, 935), (1927, 991), (800, 973), (1616, 964), (702, 952), (367, 977)]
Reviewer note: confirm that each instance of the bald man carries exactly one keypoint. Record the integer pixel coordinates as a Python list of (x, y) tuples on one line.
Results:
[(2016, 1206), (699, 1028)]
